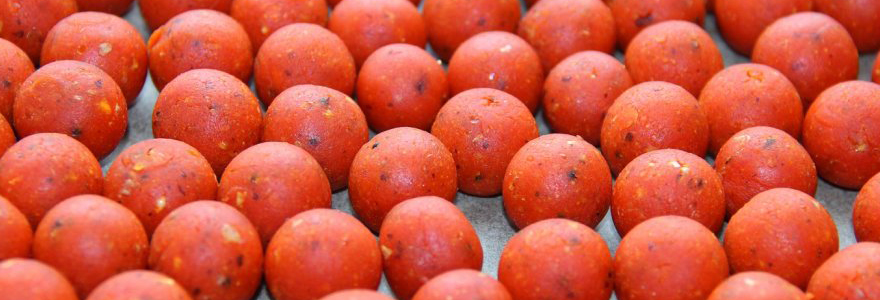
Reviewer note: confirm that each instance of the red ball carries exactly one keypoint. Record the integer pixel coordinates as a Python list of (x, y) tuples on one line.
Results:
[(575, 102), (876, 74), (106, 41), (7, 136), (480, 16), (335, 2), (557, 176), (678, 52), (424, 237), (632, 16), (31, 279), (16, 232), (560, 28), (749, 95), (849, 274), (261, 18), (762, 158), (860, 17), (157, 12), (483, 128), (90, 238), (866, 212), (498, 60), (667, 182), (139, 284), (154, 177), (199, 39), (756, 286), (324, 122), (811, 49), (650, 116), (46, 168), (356, 294), (76, 99), (17, 68), (319, 252), (840, 130), (556, 259), (668, 257), (781, 231), (116, 7), (212, 111), (742, 21), (26, 22), (462, 284), (260, 184), (210, 249), (367, 25), (401, 85), (397, 165), (300, 54)]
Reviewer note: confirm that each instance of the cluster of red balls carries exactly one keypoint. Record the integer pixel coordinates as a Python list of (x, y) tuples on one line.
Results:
[(774, 126)]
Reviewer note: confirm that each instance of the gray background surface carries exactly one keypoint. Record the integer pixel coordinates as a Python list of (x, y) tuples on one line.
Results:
[(486, 214)]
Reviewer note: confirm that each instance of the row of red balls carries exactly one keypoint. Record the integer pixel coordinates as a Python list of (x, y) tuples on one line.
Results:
[(741, 22), (688, 58), (689, 174), (399, 157), (787, 48), (420, 87), (209, 250)]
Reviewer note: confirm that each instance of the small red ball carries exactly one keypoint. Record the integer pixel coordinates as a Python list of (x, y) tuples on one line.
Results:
[(781, 231), (749, 95), (90, 238), (397, 165), (31, 279), (259, 183), (210, 110), (106, 41), (556, 259), (16, 232), (210, 249), (866, 212), (575, 102), (678, 52), (557, 176), (76, 99), (811, 49), (483, 128), (299, 54), (669, 257), (424, 237), (367, 25), (157, 12), (498, 60), (319, 252), (140, 179), (756, 286), (199, 39), (762, 158), (139, 284), (401, 85), (667, 182), (44, 169), (462, 284), (650, 116), (324, 122), (481, 16), (840, 130), (849, 274)]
